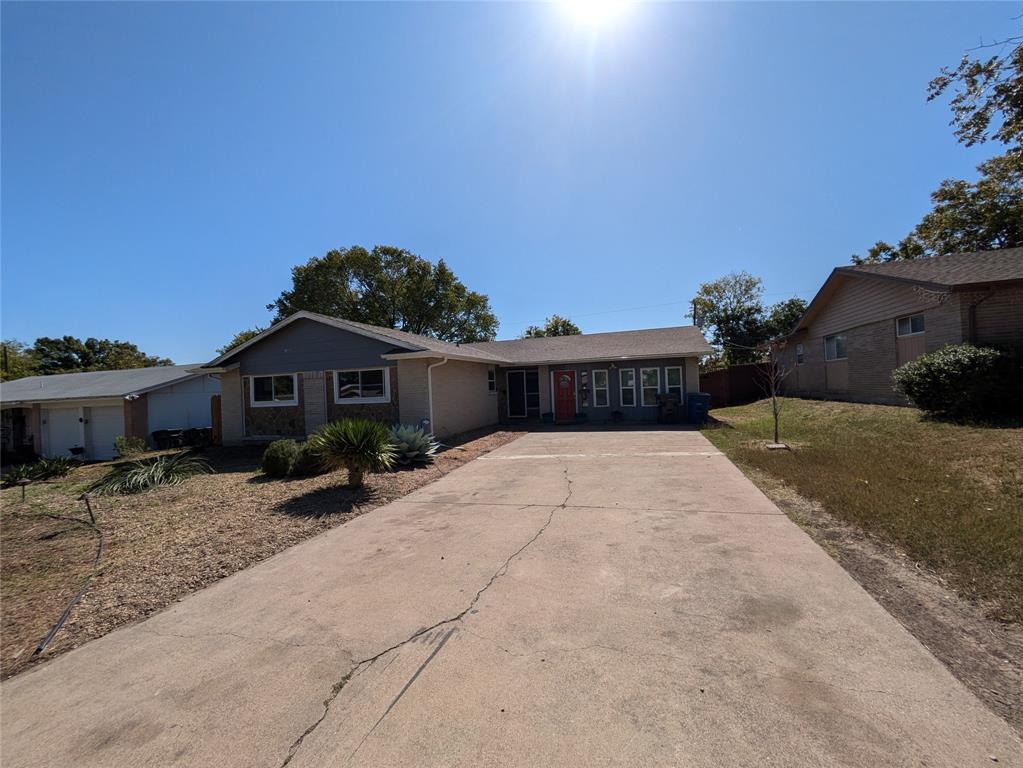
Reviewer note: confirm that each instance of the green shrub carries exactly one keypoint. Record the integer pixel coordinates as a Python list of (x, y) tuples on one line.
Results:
[(144, 474), (59, 466), (44, 469), (962, 382), (279, 458), (130, 446), (307, 462), (413, 445), (16, 473), (357, 445)]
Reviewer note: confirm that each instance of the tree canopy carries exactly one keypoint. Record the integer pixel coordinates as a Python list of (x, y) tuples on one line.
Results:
[(17, 360), (555, 325), (986, 214), (731, 309), (390, 287), (71, 355), (240, 338)]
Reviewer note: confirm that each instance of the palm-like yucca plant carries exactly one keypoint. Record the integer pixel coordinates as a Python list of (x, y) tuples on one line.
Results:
[(143, 474), (358, 445), (414, 445)]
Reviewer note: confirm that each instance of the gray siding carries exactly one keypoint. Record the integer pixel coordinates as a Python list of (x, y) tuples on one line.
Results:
[(637, 413), (306, 345)]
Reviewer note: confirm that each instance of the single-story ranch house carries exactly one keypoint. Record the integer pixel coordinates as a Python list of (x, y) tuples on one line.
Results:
[(869, 319), (83, 413), (310, 369)]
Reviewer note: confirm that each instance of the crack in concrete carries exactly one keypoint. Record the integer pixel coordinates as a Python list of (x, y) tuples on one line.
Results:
[(520, 505), (364, 664)]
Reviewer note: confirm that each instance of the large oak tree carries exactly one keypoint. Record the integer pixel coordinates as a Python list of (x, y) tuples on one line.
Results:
[(390, 287)]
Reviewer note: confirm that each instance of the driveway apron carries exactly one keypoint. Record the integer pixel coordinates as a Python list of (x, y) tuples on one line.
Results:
[(573, 598)]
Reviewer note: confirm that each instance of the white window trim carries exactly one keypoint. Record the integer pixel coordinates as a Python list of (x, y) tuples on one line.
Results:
[(681, 381), (492, 372), (622, 388), (910, 318), (606, 389), (835, 359), (642, 387), (386, 398), (272, 403)]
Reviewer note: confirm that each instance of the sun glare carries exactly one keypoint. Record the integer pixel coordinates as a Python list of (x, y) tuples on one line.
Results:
[(594, 13)]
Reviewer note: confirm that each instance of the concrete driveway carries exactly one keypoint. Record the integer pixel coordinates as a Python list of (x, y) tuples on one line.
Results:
[(576, 598)]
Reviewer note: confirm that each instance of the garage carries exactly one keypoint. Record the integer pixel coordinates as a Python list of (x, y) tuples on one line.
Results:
[(83, 414), (103, 425)]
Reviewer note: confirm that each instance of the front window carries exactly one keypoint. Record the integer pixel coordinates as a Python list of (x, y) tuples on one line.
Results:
[(673, 382), (650, 378), (275, 390), (627, 377), (600, 398), (492, 380), (909, 326), (834, 347), (799, 354), (364, 385)]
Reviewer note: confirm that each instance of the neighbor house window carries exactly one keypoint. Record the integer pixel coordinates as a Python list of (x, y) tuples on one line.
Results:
[(673, 382), (799, 354), (627, 377), (274, 390), (650, 379), (491, 380), (600, 398), (834, 347), (362, 385), (909, 326)]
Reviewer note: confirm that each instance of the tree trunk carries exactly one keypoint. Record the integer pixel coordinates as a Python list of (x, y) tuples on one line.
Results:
[(355, 476)]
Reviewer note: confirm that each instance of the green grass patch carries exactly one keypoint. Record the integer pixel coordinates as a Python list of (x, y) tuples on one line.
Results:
[(951, 496)]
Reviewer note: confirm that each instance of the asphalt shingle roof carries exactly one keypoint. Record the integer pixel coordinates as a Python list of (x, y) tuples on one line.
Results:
[(954, 269), (679, 341), (75, 386)]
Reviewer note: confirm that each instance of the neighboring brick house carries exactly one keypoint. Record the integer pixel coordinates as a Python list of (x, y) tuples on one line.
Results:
[(310, 369), (869, 319)]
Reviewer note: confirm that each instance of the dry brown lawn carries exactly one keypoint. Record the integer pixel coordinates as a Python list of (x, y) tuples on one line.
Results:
[(163, 544), (950, 496)]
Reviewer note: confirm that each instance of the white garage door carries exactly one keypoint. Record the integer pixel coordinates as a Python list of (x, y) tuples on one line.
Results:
[(62, 430), (104, 425)]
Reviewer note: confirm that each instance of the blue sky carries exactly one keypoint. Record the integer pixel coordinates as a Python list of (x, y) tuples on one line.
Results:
[(165, 165)]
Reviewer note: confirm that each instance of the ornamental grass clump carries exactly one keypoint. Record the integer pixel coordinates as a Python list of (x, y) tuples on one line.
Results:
[(144, 474), (413, 445), (356, 445)]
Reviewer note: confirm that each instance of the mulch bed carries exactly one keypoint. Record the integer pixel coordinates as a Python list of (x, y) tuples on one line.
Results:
[(163, 544)]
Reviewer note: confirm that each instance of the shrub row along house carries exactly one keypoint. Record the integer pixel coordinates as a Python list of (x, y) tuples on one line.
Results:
[(310, 369), (869, 319)]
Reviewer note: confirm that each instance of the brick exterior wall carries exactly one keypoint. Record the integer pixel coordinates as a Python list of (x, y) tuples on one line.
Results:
[(269, 421)]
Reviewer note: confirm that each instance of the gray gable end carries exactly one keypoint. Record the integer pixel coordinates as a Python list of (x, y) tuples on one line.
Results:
[(307, 345)]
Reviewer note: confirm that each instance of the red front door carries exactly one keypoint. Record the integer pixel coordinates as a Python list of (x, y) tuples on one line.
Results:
[(564, 396)]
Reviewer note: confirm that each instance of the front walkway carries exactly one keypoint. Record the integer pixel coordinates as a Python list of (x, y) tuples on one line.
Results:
[(573, 598)]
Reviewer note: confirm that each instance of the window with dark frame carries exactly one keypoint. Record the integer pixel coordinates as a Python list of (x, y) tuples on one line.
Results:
[(274, 390), (909, 326), (799, 354), (835, 347)]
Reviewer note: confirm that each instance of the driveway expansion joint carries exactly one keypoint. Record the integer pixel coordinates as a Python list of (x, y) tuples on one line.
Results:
[(364, 664)]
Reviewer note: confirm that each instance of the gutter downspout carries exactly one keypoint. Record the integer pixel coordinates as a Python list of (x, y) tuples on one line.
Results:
[(429, 389)]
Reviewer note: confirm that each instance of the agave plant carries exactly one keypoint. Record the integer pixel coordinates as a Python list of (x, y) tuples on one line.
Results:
[(357, 445), (143, 474), (15, 474), (413, 445)]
